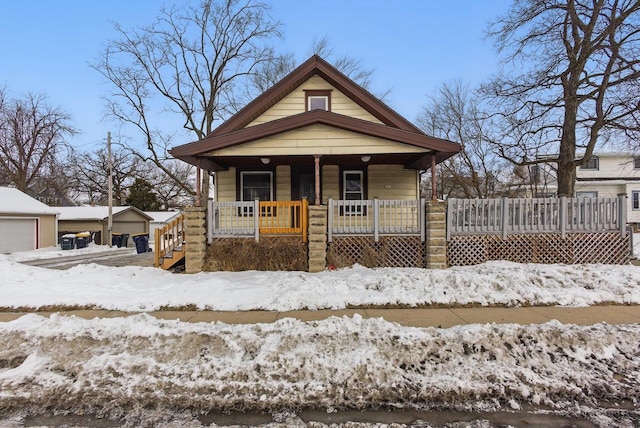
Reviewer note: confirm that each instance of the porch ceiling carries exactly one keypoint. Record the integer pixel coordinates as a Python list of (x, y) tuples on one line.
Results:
[(409, 160)]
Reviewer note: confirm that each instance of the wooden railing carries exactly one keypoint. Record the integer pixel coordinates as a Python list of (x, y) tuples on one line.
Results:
[(169, 239), (234, 219), (540, 215), (376, 217)]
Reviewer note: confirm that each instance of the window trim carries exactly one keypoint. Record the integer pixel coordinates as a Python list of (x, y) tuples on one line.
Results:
[(240, 189), (635, 200), (586, 166), (317, 93), (365, 187), (636, 162)]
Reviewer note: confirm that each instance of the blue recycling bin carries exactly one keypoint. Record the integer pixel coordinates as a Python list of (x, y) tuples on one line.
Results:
[(82, 239), (142, 242)]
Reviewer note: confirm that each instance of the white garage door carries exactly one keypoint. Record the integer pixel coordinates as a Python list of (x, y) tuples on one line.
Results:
[(17, 234)]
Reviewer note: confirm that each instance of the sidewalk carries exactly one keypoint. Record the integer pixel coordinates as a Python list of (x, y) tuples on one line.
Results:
[(444, 318)]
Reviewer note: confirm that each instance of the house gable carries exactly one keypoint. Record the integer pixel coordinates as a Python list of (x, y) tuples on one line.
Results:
[(294, 103)]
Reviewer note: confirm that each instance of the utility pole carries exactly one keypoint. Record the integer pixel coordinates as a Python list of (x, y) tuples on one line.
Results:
[(110, 219)]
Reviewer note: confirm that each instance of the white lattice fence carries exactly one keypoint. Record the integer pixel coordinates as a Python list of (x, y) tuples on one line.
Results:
[(574, 248)]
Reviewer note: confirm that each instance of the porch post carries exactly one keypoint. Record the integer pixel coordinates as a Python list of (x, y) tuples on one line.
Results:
[(195, 238), (316, 160), (436, 245), (198, 184), (434, 194)]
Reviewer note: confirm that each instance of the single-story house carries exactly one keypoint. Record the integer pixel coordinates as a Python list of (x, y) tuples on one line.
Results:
[(129, 220), (25, 223), (315, 136), (158, 220)]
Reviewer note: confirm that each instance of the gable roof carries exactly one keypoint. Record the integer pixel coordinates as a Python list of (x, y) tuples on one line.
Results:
[(235, 131), (13, 201), (95, 213), (162, 216), (314, 66)]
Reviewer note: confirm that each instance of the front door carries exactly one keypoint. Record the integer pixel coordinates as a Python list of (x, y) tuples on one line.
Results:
[(303, 184)]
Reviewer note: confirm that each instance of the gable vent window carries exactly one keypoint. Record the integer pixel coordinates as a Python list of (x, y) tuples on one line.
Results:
[(318, 100)]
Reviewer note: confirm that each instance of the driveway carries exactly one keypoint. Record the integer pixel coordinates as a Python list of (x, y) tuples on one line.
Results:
[(117, 258)]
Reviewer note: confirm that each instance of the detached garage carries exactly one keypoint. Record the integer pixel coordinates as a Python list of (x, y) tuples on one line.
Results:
[(25, 223), (126, 220)]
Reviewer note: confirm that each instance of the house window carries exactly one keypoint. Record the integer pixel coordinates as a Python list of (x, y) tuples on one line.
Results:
[(256, 185), (635, 200), (592, 164), (636, 162), (586, 194), (318, 100), (353, 188)]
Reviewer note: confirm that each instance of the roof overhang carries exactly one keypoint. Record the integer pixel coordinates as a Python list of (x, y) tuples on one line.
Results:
[(202, 153)]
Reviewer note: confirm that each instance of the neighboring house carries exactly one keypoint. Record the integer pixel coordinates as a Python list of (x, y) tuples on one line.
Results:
[(50, 195), (315, 135), (610, 175), (25, 223), (129, 220), (158, 220)]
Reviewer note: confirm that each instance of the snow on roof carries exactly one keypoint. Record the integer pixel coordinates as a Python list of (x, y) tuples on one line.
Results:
[(13, 201), (87, 213), (162, 216)]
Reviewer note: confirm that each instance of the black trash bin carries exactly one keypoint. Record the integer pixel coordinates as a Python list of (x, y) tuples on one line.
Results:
[(82, 239), (125, 240), (68, 241), (142, 242), (116, 240)]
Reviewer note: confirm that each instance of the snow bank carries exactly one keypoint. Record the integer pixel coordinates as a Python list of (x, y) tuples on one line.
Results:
[(147, 289), (112, 366)]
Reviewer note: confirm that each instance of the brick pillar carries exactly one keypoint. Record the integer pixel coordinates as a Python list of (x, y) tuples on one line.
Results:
[(317, 238), (195, 235), (436, 235)]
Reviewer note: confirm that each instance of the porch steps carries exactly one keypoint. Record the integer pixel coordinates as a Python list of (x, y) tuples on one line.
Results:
[(172, 258)]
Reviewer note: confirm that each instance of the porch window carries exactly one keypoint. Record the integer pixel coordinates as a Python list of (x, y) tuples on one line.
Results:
[(318, 100), (635, 200), (256, 185), (353, 189)]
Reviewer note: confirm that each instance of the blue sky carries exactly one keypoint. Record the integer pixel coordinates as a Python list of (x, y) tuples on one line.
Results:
[(413, 45)]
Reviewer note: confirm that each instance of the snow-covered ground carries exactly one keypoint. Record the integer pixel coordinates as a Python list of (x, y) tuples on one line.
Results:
[(147, 289), (143, 371)]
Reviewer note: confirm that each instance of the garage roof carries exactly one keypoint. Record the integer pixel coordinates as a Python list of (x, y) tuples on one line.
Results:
[(93, 213), (13, 201)]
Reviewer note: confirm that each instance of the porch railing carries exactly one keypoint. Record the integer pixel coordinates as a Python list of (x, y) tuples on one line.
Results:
[(168, 239), (250, 219), (376, 217), (540, 215)]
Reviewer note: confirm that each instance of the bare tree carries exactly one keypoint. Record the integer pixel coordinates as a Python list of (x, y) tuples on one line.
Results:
[(188, 61), (453, 114), (570, 82), (271, 72), (91, 174), (32, 139), (168, 191)]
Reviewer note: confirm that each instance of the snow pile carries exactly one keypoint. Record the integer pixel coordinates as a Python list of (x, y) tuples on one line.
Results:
[(55, 252), (112, 366), (147, 289)]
